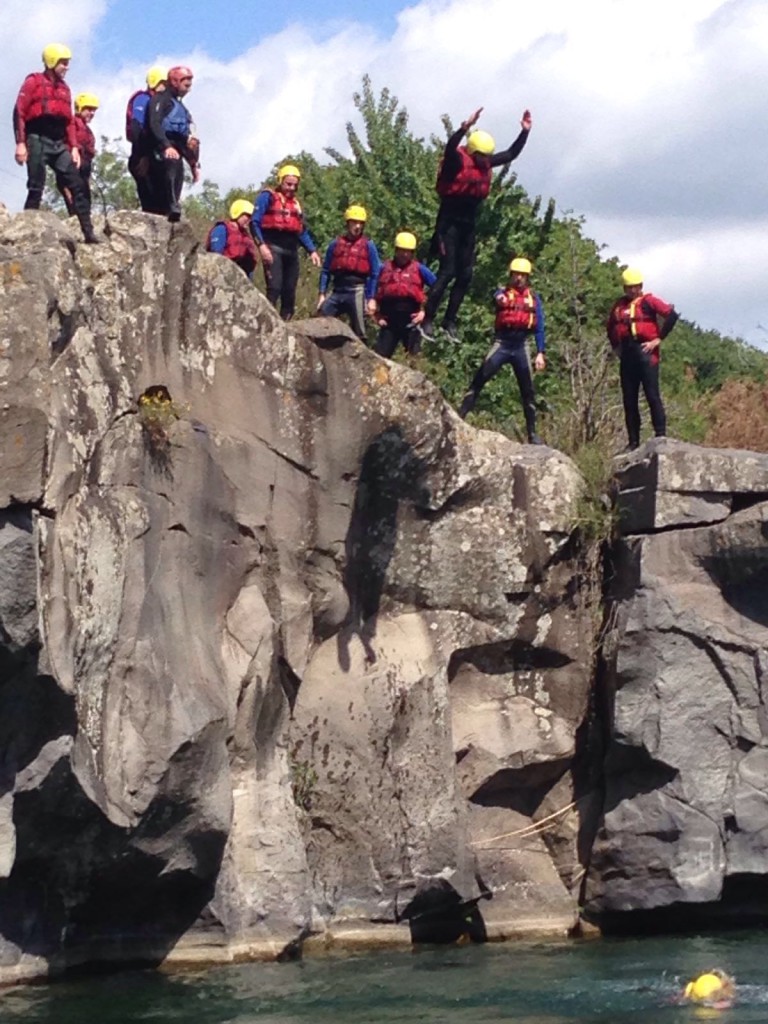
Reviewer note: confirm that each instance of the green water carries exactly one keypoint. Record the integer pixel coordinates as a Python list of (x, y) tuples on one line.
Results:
[(609, 980)]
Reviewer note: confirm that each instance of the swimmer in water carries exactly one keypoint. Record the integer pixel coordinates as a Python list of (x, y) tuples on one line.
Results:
[(714, 989)]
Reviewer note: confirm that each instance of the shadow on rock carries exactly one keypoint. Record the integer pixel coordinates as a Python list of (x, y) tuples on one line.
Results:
[(439, 915), (390, 474)]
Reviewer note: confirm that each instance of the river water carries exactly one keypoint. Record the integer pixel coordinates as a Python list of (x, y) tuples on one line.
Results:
[(604, 980)]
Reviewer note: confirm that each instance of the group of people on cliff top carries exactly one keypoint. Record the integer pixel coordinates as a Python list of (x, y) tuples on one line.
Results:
[(401, 295)]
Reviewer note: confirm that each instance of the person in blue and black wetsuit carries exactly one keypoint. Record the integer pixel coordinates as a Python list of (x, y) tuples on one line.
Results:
[(463, 182), (279, 227), (137, 133), (518, 313), (172, 135), (232, 238), (352, 264)]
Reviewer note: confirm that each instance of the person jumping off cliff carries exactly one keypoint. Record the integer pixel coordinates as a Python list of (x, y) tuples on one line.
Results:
[(463, 182)]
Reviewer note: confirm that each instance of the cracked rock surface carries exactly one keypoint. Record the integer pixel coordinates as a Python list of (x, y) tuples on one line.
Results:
[(686, 780), (302, 654)]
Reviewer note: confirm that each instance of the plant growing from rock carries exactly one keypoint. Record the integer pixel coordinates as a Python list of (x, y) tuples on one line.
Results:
[(157, 413), (303, 782)]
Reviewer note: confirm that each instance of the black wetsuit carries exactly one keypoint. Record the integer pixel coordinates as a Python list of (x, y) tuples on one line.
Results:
[(167, 174), (453, 241)]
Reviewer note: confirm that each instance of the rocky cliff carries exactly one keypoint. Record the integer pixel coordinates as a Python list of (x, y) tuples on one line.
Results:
[(288, 651), (292, 657), (683, 839)]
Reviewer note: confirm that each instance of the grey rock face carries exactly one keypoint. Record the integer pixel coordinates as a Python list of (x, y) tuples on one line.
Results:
[(685, 773), (288, 662), (668, 483)]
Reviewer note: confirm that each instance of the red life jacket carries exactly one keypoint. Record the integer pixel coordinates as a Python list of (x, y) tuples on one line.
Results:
[(471, 181), (401, 282), (239, 247), (351, 256), (85, 139), (518, 313), (283, 214), (634, 320), (43, 95)]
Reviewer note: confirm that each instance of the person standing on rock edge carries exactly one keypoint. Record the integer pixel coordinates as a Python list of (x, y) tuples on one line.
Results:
[(137, 133), (635, 335), (518, 313), (463, 182), (232, 238), (45, 135), (86, 105), (400, 298), (279, 227), (352, 264), (172, 136)]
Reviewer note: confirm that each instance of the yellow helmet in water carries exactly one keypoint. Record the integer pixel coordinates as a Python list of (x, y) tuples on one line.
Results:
[(632, 276), (288, 170), (405, 240), (54, 52), (481, 142), (86, 99), (356, 213), (520, 265), (239, 207), (706, 986)]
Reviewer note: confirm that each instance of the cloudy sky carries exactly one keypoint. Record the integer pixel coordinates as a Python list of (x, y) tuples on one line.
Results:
[(650, 120)]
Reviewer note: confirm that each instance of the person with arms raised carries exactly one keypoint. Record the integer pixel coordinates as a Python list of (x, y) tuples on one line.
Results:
[(463, 182)]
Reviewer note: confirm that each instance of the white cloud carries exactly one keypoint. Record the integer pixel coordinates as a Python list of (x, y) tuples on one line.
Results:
[(648, 119)]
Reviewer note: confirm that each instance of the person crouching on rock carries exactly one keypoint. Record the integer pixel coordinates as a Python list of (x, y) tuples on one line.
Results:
[(232, 238), (518, 313), (171, 131), (714, 989), (400, 298), (45, 135)]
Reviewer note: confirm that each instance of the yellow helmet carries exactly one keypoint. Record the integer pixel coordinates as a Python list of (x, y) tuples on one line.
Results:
[(520, 265), (86, 99), (706, 986), (54, 52), (239, 207), (480, 142), (288, 169), (356, 213), (155, 76), (405, 240), (632, 276)]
